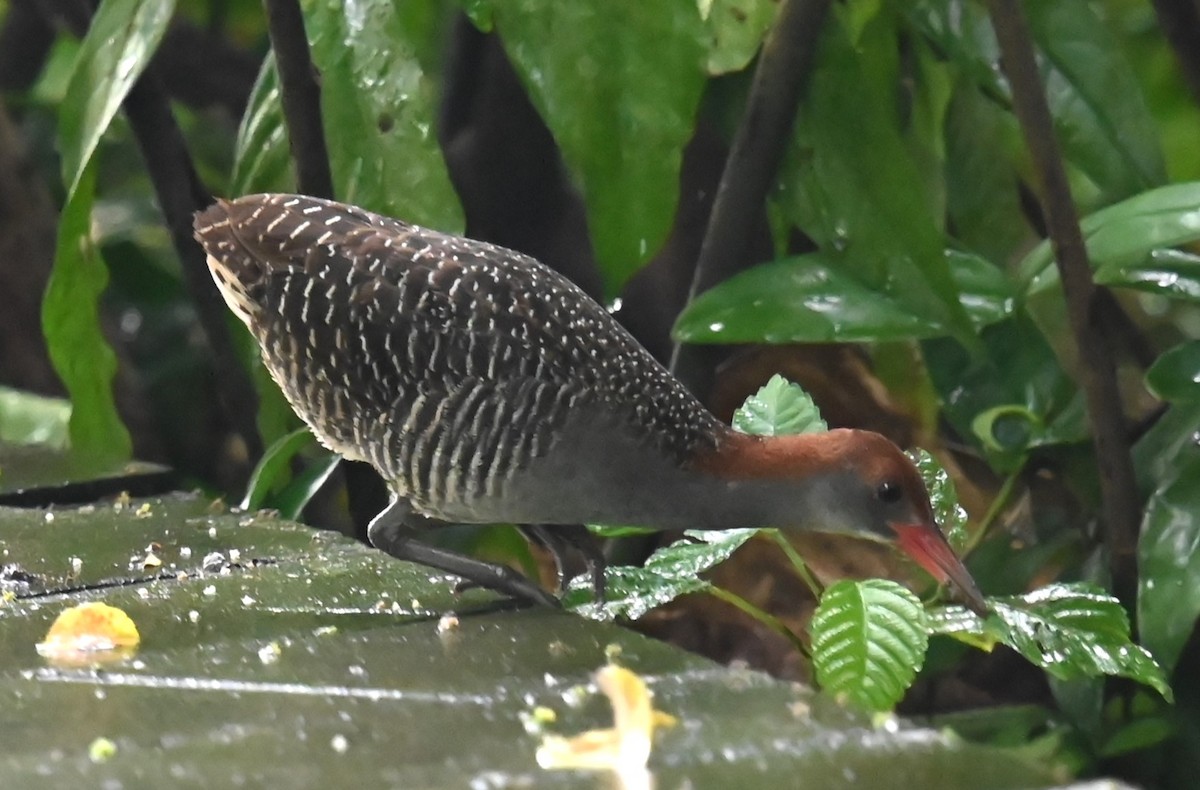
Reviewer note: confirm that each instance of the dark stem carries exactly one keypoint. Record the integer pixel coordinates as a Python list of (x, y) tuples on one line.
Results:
[(1122, 509), (180, 195), (753, 162), (1179, 21), (301, 96)]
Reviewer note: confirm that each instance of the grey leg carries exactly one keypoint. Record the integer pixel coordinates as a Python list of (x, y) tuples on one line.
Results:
[(561, 538), (394, 532)]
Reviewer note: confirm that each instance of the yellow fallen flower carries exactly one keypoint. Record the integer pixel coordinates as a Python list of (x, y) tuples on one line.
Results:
[(86, 632), (625, 747)]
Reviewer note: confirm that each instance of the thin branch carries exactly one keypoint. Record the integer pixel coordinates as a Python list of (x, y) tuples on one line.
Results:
[(754, 158), (301, 97), (180, 195), (1122, 509)]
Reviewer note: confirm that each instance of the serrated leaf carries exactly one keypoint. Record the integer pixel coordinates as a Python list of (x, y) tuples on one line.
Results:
[(119, 43), (1076, 631), (261, 157), (1175, 375), (379, 108), (868, 641), (947, 512), (669, 573), (618, 85), (779, 408), (71, 325)]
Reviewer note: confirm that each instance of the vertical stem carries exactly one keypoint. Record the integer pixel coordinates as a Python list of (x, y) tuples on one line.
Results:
[(1122, 509), (753, 163), (301, 97)]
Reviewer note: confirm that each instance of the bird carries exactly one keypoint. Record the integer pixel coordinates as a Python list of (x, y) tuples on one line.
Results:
[(487, 388)]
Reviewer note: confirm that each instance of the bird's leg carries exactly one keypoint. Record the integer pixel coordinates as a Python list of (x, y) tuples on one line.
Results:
[(394, 532), (559, 539)]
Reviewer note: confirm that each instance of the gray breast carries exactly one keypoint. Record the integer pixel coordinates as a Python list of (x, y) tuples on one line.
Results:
[(451, 365)]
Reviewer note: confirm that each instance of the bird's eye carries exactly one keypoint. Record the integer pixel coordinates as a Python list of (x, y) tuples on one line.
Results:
[(888, 491)]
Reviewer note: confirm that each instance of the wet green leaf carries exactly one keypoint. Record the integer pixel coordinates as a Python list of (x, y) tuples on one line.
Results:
[(71, 325), (122, 38), (1175, 375), (779, 408), (26, 418), (1174, 274), (853, 183), (1169, 559), (808, 298), (618, 84), (261, 159), (669, 573), (947, 512), (868, 640), (379, 108), (1076, 631), (1123, 234)]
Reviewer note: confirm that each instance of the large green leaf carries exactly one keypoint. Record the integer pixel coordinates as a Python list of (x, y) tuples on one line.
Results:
[(779, 408), (1123, 234), (618, 83), (669, 573), (813, 298), (853, 184), (379, 108), (1099, 111), (261, 159), (71, 325), (1169, 560), (1175, 375), (868, 641), (122, 38)]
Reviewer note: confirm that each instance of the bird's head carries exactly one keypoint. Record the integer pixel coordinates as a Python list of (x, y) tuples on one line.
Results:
[(854, 482)]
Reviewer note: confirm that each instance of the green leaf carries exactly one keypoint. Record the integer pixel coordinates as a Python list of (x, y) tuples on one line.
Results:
[(1169, 560), (947, 512), (1099, 111), (805, 299), (618, 84), (814, 299), (853, 184), (610, 531), (297, 494), (737, 29), (26, 418), (1173, 274), (122, 38), (669, 573), (1076, 631), (1125, 233), (261, 157), (379, 108), (868, 640), (1175, 375), (71, 325), (779, 408), (274, 469)]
